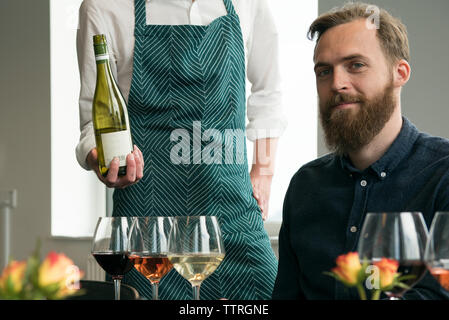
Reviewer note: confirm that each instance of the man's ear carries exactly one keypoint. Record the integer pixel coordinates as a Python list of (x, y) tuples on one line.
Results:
[(401, 73)]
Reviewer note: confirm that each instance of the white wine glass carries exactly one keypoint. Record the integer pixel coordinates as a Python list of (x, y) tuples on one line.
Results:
[(148, 246), (110, 248), (437, 250), (196, 248), (400, 236)]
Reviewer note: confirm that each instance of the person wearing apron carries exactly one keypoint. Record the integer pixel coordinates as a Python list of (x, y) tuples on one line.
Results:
[(191, 78)]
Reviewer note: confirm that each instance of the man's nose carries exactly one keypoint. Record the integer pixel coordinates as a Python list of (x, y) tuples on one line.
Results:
[(340, 80)]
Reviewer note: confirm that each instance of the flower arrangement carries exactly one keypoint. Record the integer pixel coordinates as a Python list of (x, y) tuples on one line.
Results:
[(381, 276), (56, 277)]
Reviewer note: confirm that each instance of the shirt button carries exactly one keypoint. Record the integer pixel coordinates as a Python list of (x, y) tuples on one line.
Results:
[(363, 183), (383, 174), (353, 229)]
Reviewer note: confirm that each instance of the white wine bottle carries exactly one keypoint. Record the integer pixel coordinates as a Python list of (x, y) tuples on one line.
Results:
[(109, 113)]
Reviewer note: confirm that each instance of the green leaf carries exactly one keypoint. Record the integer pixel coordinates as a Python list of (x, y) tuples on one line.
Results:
[(10, 286), (51, 290), (407, 277)]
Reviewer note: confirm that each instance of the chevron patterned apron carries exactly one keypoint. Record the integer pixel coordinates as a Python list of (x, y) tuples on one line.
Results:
[(191, 79)]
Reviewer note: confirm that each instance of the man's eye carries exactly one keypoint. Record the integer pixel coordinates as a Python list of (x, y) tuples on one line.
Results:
[(357, 65), (322, 73)]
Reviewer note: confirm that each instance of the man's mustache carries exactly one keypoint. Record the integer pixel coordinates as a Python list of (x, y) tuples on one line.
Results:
[(342, 98)]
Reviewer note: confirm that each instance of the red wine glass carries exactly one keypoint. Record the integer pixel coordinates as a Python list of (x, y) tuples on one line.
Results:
[(400, 236), (110, 248)]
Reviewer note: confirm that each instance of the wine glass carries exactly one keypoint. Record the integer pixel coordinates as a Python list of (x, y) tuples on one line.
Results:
[(110, 248), (401, 236), (196, 248), (148, 246), (437, 250)]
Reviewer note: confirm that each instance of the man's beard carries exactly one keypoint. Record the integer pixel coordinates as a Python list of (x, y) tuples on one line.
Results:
[(348, 130)]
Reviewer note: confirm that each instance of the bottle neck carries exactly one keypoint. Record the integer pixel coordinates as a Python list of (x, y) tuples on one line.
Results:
[(102, 60), (104, 71)]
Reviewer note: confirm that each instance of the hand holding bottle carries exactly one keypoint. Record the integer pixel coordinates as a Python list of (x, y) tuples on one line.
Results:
[(134, 171)]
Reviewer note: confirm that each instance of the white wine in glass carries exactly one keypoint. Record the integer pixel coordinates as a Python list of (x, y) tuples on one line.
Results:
[(196, 248), (196, 267)]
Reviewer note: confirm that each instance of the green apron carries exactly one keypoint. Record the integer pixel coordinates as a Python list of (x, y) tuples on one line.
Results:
[(188, 79)]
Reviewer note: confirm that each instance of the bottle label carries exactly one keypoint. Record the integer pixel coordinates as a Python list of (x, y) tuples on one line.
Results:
[(116, 144)]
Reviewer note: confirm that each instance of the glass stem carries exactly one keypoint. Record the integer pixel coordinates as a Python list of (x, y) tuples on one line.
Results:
[(117, 282), (196, 292), (155, 286)]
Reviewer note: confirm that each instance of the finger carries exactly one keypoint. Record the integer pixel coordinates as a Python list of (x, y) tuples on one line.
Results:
[(130, 169), (111, 178), (256, 195), (139, 163), (140, 155), (265, 211), (261, 206)]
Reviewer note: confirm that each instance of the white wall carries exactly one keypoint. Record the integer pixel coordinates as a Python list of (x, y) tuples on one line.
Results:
[(76, 193)]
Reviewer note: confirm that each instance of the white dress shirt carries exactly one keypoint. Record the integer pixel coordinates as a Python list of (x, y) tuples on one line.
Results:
[(116, 18)]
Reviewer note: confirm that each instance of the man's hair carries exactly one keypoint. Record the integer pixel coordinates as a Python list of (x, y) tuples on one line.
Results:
[(391, 32)]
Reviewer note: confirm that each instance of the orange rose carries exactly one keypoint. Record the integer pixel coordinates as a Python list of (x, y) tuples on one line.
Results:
[(13, 273), (387, 271), (59, 270), (348, 268)]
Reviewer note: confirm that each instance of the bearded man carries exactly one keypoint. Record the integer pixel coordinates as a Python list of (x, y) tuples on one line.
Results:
[(380, 162)]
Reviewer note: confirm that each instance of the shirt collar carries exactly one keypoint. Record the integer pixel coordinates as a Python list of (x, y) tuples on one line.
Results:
[(401, 146)]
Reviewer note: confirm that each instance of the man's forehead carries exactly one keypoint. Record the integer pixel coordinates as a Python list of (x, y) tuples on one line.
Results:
[(345, 40)]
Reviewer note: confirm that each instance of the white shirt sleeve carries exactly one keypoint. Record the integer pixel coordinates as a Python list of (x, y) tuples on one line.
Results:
[(264, 105), (90, 24)]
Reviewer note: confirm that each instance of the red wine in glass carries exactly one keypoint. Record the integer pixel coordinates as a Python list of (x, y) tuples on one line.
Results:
[(401, 236), (110, 248), (116, 264), (415, 269)]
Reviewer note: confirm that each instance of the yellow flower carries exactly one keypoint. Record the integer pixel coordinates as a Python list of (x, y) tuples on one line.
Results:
[(59, 271), (14, 272), (387, 271), (348, 268)]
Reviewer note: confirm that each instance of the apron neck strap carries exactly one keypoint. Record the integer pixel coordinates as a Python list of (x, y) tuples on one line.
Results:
[(229, 6), (141, 15)]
